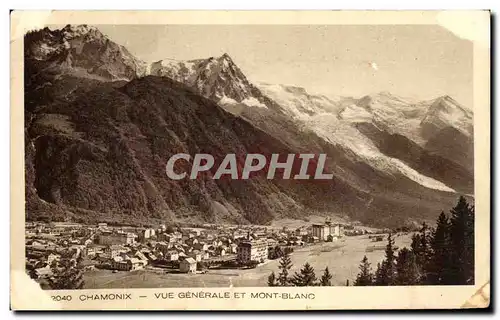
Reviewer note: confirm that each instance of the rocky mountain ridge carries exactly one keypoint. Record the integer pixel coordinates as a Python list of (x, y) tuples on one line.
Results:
[(100, 125)]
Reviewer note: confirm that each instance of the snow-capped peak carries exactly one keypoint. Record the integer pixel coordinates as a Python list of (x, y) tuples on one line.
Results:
[(83, 50), (226, 63), (386, 98), (225, 57), (74, 31), (297, 102), (217, 78), (337, 120), (448, 104), (447, 112)]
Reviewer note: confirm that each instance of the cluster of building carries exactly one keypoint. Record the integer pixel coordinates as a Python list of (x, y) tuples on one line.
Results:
[(47, 246), (131, 248)]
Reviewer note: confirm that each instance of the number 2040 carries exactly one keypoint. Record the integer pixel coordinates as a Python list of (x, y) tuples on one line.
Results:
[(62, 298)]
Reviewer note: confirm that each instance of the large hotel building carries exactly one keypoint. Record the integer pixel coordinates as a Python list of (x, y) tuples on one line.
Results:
[(249, 250), (322, 231)]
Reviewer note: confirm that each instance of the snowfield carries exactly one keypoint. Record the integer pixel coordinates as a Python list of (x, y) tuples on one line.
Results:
[(334, 120)]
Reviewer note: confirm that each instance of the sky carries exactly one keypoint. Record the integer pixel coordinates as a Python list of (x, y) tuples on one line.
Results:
[(417, 61)]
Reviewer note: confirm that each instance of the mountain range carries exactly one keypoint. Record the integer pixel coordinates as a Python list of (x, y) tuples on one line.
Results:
[(100, 125)]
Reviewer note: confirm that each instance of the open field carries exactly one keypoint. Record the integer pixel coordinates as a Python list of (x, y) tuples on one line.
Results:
[(341, 257), (295, 223)]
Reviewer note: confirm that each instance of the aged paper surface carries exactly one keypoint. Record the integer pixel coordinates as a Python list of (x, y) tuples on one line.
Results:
[(101, 100)]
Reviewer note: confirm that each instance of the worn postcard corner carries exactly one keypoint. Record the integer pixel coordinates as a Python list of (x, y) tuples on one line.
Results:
[(480, 299), (250, 160)]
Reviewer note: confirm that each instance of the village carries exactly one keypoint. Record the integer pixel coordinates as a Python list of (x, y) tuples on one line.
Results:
[(167, 249)]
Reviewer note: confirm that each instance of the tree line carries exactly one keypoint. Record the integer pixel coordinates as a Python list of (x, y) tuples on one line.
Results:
[(306, 277), (443, 255)]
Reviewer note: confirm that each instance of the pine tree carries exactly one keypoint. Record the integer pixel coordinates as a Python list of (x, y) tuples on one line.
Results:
[(326, 278), (438, 271), (408, 273), (377, 280), (271, 280), (421, 249), (470, 246), (416, 247), (389, 250), (462, 243), (425, 250), (305, 277), (285, 266), (365, 276), (278, 252), (387, 270), (415, 243)]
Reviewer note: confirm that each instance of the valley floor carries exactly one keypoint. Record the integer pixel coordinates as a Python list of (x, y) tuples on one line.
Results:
[(342, 259)]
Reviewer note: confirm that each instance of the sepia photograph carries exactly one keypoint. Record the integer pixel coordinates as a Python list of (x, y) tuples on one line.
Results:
[(258, 155)]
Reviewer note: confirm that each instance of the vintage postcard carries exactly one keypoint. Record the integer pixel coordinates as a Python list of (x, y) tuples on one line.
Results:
[(258, 160)]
